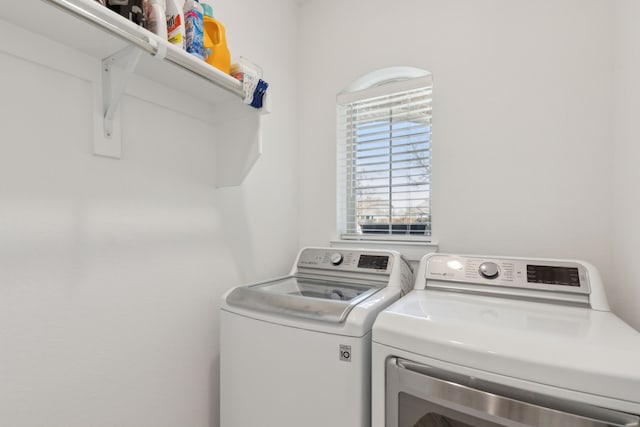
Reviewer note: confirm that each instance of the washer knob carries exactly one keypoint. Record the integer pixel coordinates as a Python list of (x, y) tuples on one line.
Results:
[(336, 258), (489, 270)]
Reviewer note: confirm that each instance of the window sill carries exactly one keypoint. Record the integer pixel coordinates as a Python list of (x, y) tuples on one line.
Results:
[(412, 249)]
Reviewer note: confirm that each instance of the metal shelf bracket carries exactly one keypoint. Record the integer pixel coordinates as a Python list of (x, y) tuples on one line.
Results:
[(115, 72)]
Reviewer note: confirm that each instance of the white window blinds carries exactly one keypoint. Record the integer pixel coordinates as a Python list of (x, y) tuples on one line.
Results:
[(384, 159)]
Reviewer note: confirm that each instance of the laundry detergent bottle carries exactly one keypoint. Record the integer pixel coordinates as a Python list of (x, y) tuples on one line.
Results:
[(216, 52)]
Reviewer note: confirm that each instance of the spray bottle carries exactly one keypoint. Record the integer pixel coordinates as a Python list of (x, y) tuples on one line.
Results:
[(156, 17)]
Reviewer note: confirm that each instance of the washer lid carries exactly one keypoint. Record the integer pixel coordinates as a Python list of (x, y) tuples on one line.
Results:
[(573, 348), (309, 298)]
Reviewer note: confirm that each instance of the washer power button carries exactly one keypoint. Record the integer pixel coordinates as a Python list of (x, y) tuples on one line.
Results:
[(336, 258)]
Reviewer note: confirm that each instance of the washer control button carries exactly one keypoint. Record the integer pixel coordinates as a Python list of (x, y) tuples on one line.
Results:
[(489, 270), (336, 258)]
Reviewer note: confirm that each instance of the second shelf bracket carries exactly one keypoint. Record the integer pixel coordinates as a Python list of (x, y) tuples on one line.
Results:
[(114, 83)]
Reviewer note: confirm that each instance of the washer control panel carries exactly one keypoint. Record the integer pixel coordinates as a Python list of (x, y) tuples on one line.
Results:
[(346, 260), (560, 276)]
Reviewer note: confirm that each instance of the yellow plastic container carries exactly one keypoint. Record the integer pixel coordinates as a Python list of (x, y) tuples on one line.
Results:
[(215, 45)]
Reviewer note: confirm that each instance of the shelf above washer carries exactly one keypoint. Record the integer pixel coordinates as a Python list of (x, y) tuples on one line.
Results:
[(88, 27)]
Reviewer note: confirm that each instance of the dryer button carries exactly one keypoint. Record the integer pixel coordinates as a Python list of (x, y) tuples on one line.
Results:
[(489, 270)]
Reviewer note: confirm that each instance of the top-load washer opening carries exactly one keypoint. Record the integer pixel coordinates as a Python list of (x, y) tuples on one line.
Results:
[(325, 285), (313, 299), (321, 289)]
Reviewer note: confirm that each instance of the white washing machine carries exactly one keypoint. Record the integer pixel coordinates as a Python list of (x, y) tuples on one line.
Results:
[(296, 351), (487, 341)]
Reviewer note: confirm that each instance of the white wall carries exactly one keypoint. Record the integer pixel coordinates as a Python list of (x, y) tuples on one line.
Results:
[(625, 289), (522, 128), (111, 271)]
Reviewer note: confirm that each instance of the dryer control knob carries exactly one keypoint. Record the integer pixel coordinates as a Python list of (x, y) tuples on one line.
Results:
[(489, 270), (336, 258)]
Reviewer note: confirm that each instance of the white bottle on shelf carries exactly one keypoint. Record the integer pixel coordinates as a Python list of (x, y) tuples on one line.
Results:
[(156, 17), (175, 23)]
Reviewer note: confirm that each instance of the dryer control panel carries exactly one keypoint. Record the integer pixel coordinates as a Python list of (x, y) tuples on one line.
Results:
[(508, 273)]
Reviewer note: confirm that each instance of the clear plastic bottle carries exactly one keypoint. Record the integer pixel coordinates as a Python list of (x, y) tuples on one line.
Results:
[(193, 28), (156, 17)]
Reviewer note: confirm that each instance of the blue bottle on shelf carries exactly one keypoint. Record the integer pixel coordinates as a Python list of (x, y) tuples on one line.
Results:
[(193, 19)]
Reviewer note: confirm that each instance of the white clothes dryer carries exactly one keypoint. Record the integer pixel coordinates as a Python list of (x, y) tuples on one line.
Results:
[(486, 341), (296, 350)]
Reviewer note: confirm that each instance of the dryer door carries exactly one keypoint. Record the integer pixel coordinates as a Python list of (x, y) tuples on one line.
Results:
[(423, 396)]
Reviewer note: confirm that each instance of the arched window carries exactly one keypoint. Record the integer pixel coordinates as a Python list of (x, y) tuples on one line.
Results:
[(384, 154)]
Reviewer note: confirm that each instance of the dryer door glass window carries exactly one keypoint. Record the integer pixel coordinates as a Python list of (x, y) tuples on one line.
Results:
[(422, 396), (416, 412)]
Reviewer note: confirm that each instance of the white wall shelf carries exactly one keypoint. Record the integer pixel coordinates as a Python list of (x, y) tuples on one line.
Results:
[(122, 50)]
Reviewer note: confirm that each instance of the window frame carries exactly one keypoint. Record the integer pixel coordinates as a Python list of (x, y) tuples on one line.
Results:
[(384, 82)]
